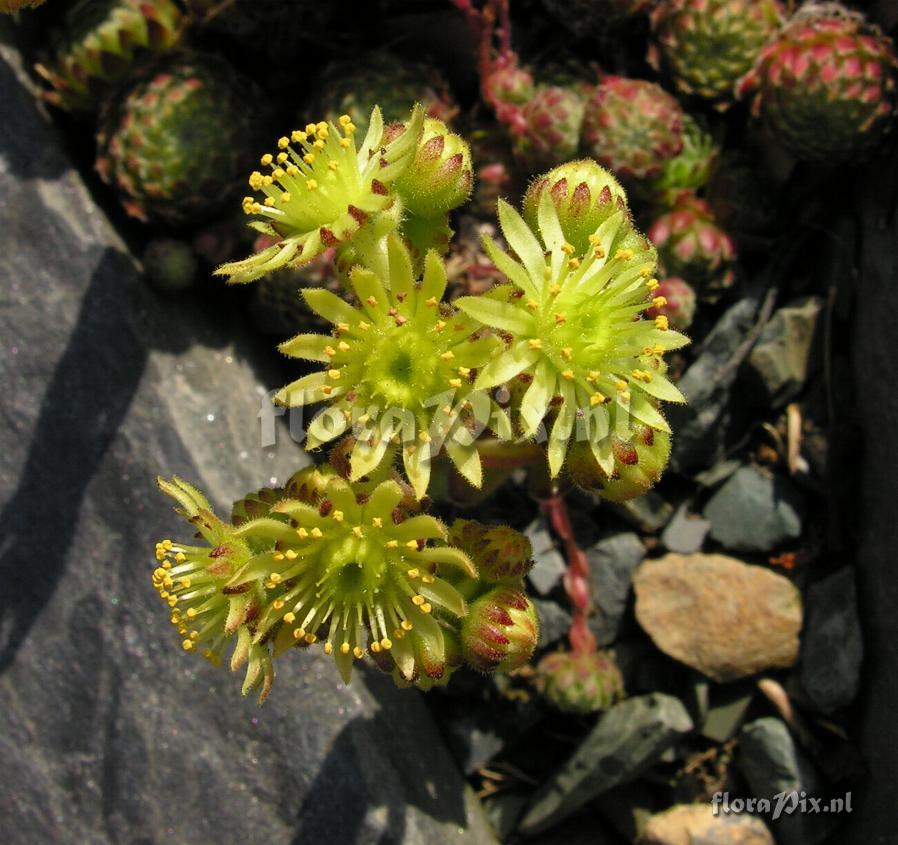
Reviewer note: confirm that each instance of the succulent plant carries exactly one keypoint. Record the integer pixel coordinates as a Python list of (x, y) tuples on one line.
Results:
[(354, 87), (549, 129), (679, 307), (99, 43), (825, 86), (693, 246), (500, 631), (399, 365), (500, 553), (322, 191), (574, 332), (494, 171), (632, 126), (583, 682), (638, 460), (169, 264), (689, 170), (708, 45), (174, 145)]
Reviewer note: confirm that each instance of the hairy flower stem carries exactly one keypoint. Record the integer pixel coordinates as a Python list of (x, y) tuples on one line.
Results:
[(576, 579)]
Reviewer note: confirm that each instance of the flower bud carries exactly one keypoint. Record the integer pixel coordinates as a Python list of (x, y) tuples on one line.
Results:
[(679, 307), (638, 464), (500, 553), (585, 195), (580, 683), (440, 177), (500, 631)]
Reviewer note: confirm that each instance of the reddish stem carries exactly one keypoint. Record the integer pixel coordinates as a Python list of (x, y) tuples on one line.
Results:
[(576, 579)]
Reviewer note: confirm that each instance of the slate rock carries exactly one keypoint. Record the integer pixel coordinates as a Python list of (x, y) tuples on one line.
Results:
[(695, 824), (700, 424), (612, 562), (648, 513), (554, 621), (754, 511), (782, 358), (626, 740), (832, 646), (773, 766), (686, 532), (110, 732), (549, 565), (721, 616)]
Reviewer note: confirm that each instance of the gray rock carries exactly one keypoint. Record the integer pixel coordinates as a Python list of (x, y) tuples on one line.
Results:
[(782, 359), (686, 532), (612, 562), (773, 765), (554, 621), (718, 615), (755, 512), (626, 740), (832, 647), (698, 425), (110, 732), (648, 513), (693, 824), (549, 565)]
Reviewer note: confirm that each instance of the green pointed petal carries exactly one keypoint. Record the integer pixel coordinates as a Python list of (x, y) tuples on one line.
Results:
[(536, 400), (344, 665), (522, 240), (368, 288), (420, 527), (309, 347), (255, 569), (258, 265), (444, 594), (433, 285), (562, 430), (404, 655), (366, 458), (271, 529), (662, 388), (467, 461), (303, 391), (507, 365), (329, 306), (549, 227), (498, 315), (604, 455), (328, 424), (186, 495), (373, 136), (402, 278), (417, 467), (507, 265), (645, 412), (446, 556), (383, 500)]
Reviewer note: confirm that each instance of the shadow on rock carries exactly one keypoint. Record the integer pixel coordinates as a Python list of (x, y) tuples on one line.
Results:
[(86, 400)]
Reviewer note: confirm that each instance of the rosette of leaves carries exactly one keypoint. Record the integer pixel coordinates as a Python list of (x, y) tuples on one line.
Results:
[(575, 332), (398, 366), (321, 191)]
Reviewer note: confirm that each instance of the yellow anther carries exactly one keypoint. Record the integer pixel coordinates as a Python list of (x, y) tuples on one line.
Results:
[(267, 159), (560, 318), (596, 399), (278, 604), (298, 136), (191, 612), (290, 555), (344, 119), (172, 601), (255, 180), (652, 284), (330, 351), (658, 349), (426, 607), (167, 545), (309, 158), (185, 582), (316, 533), (567, 353), (645, 271), (180, 557), (292, 170), (377, 522), (568, 375), (375, 647), (343, 346), (661, 322), (455, 382), (532, 304), (338, 516), (574, 263), (349, 128), (327, 390), (267, 180), (322, 133), (620, 385), (624, 254), (283, 142), (464, 371), (194, 635), (289, 617), (413, 573), (311, 185), (319, 144), (372, 301), (358, 653), (344, 649), (568, 249), (280, 555), (363, 326), (448, 355), (269, 202), (311, 128), (299, 633), (334, 375), (427, 579), (328, 648), (333, 165), (659, 301), (357, 531), (386, 644), (412, 544), (345, 143), (275, 577), (424, 437), (598, 252), (595, 240), (535, 343), (392, 544), (554, 290), (417, 601), (285, 197), (440, 325), (159, 572), (282, 157), (187, 645), (342, 327), (311, 638), (406, 625)]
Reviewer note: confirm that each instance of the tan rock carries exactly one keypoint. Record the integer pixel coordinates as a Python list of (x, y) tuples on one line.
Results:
[(726, 618), (696, 824)]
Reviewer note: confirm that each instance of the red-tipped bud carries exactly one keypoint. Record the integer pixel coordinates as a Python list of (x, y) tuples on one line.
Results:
[(500, 553), (500, 631), (580, 683)]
